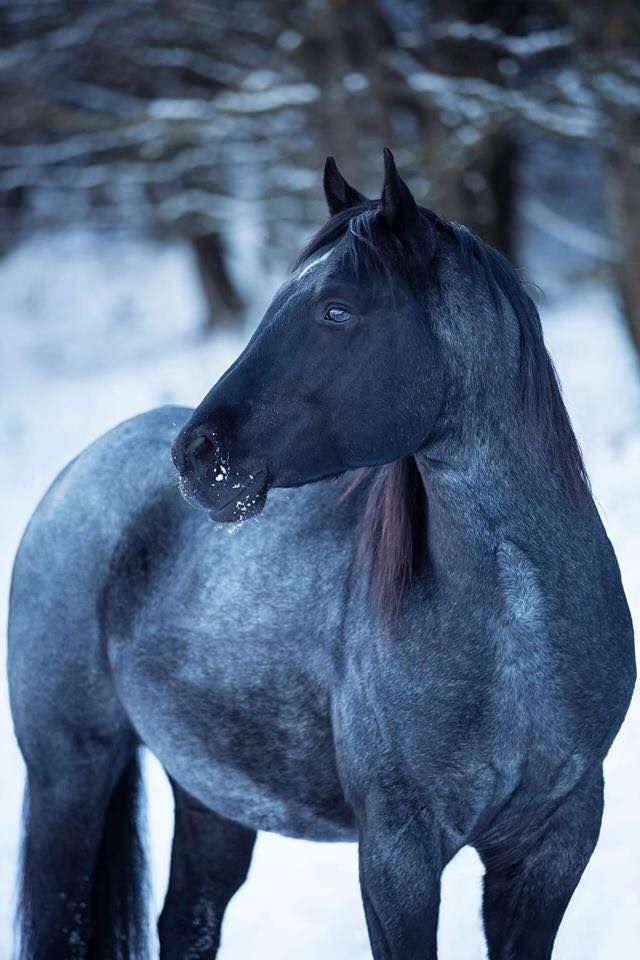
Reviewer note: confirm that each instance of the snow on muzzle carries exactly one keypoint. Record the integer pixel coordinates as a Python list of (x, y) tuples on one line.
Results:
[(230, 491)]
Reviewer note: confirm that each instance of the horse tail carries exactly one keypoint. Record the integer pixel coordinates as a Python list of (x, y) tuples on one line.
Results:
[(112, 922), (121, 889)]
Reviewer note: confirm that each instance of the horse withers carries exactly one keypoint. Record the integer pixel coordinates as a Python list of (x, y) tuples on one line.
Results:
[(417, 639)]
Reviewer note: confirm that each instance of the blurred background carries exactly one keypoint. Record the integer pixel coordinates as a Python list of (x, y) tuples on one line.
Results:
[(175, 119), (160, 167)]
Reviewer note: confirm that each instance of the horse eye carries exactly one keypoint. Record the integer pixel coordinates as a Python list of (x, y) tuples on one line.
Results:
[(336, 315)]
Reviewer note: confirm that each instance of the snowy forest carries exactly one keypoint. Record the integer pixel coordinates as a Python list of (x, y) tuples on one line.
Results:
[(160, 168), (169, 118)]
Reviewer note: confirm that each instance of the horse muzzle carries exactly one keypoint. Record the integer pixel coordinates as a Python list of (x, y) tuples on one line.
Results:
[(230, 491)]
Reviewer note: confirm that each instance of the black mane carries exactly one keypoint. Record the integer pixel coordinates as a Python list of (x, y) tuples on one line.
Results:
[(544, 407)]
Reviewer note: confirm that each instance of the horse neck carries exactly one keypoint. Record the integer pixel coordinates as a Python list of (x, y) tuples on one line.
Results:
[(494, 483)]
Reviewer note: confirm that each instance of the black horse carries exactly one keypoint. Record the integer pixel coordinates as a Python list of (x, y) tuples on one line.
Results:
[(430, 652)]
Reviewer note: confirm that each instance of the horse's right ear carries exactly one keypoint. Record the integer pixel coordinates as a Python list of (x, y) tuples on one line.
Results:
[(397, 203), (340, 194)]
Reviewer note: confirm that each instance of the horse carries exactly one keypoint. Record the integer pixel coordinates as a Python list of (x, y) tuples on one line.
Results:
[(375, 603)]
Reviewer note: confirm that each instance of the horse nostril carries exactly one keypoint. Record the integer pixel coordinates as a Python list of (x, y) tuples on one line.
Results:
[(200, 452)]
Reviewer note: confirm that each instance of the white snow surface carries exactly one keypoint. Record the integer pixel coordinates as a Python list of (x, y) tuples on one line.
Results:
[(95, 329)]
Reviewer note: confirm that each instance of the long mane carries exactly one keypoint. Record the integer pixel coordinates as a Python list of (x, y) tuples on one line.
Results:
[(394, 516)]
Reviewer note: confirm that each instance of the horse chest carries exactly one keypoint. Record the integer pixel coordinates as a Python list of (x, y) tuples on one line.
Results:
[(458, 687)]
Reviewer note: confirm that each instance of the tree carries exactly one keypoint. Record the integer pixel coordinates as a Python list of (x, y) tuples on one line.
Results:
[(175, 116), (607, 41)]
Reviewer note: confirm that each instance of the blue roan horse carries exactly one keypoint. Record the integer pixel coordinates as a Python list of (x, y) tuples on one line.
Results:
[(432, 651)]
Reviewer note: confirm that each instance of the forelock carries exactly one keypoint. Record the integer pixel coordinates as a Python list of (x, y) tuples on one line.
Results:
[(364, 240)]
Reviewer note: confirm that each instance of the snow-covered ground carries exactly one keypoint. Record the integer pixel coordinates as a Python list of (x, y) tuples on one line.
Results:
[(93, 330)]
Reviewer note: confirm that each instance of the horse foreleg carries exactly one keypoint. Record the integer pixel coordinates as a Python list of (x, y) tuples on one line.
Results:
[(401, 861), (525, 898)]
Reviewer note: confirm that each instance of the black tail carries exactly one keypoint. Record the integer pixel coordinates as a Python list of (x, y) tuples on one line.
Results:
[(121, 886), (113, 924)]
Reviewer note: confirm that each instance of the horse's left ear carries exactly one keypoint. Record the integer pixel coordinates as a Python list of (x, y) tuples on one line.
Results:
[(397, 204), (340, 194)]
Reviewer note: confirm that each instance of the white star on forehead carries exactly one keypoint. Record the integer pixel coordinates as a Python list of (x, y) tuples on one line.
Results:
[(314, 263)]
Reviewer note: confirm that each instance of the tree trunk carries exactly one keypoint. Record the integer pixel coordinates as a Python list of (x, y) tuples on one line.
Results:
[(606, 37), (224, 304), (489, 210), (623, 190)]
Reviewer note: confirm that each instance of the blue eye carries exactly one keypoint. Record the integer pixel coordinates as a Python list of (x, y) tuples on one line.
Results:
[(337, 315)]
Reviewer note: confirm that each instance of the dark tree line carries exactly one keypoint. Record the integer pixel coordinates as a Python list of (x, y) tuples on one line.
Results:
[(168, 115)]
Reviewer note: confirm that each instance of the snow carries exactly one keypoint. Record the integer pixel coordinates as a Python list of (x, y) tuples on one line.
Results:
[(97, 328), (536, 42), (262, 101)]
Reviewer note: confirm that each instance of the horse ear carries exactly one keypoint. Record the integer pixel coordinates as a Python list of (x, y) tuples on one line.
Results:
[(397, 204), (340, 194)]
